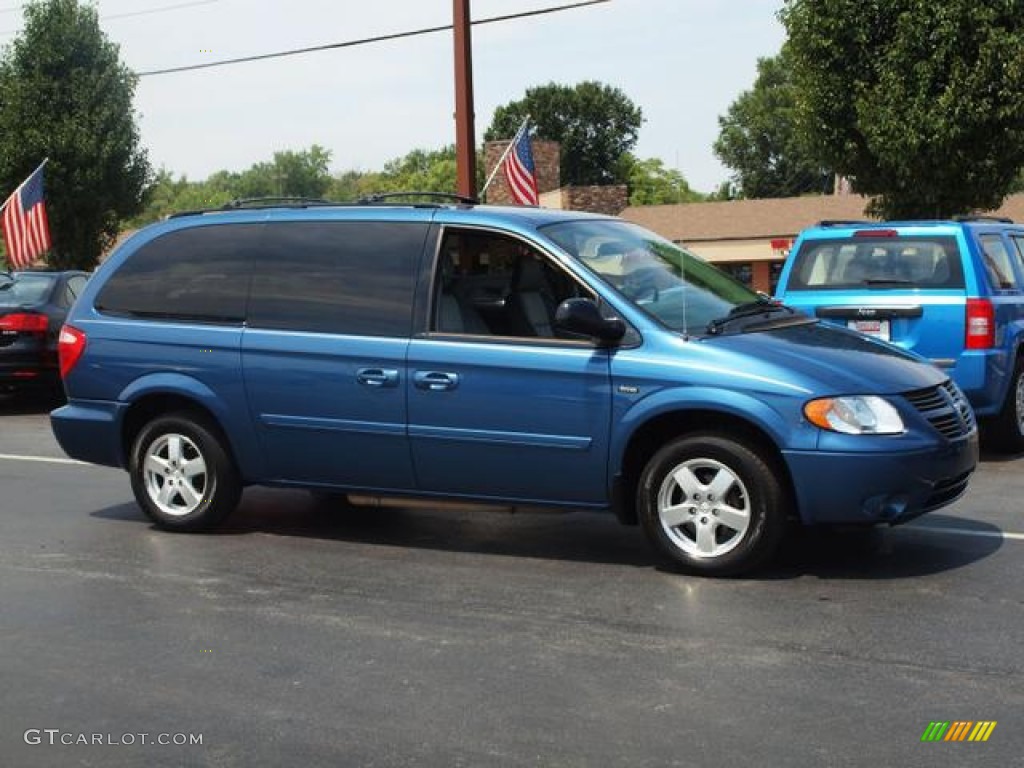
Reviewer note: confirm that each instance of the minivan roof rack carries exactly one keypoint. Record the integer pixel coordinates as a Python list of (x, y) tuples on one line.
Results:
[(846, 223), (274, 201), (257, 202), (979, 217), (382, 197)]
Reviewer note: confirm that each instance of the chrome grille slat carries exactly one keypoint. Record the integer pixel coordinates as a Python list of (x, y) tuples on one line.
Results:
[(945, 408)]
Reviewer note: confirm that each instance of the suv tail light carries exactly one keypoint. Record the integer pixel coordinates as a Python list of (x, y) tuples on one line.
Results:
[(981, 324), (70, 346), (24, 322)]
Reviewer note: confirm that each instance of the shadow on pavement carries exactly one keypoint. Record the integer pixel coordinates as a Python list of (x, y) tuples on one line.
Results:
[(870, 554), (907, 551)]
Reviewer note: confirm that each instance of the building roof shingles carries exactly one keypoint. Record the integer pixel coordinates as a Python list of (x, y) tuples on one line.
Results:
[(761, 219)]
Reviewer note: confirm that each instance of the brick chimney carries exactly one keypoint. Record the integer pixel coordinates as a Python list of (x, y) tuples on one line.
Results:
[(546, 160)]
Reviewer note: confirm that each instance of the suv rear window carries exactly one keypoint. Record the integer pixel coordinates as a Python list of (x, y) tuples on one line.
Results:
[(877, 262), (23, 290)]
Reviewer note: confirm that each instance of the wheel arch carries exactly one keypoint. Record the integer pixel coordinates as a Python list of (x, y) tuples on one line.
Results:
[(155, 396), (657, 430)]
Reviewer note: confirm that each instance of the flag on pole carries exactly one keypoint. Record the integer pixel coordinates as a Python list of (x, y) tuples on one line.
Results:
[(26, 229), (520, 171)]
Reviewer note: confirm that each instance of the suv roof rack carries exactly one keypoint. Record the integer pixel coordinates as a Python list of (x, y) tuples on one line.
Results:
[(846, 223), (381, 197), (977, 217)]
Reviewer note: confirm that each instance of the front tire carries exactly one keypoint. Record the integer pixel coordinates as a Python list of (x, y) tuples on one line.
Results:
[(711, 505), (182, 475), (1008, 426)]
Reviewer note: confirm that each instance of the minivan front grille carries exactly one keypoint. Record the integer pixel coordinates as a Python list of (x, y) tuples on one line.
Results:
[(945, 408)]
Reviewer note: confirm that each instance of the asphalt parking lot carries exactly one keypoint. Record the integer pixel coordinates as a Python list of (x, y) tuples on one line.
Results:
[(308, 635)]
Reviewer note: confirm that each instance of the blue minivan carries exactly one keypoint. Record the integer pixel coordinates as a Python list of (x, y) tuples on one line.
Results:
[(950, 291), (512, 355)]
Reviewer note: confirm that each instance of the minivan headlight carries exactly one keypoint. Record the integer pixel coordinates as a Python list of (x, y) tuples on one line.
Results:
[(855, 415)]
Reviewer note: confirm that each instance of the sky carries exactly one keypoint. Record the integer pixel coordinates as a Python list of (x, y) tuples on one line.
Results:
[(683, 62)]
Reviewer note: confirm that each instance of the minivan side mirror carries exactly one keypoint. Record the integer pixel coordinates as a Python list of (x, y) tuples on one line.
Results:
[(583, 317)]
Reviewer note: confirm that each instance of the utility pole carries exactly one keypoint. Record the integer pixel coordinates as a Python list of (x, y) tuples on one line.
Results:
[(465, 147)]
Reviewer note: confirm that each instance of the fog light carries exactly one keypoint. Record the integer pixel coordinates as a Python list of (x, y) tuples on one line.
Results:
[(885, 507)]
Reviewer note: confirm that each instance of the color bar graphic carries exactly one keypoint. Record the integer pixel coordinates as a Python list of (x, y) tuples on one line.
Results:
[(958, 730)]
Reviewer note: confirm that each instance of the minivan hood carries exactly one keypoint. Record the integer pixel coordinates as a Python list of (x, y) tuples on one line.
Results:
[(835, 358)]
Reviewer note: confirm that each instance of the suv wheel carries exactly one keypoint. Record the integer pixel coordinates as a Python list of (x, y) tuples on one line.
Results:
[(711, 505), (182, 476), (1009, 424)]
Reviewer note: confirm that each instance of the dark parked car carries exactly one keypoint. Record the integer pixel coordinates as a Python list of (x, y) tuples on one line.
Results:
[(33, 306)]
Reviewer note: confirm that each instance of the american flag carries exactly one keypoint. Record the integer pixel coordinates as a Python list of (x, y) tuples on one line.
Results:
[(520, 173), (26, 229)]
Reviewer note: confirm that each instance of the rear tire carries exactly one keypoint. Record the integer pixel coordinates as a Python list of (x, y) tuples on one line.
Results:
[(182, 474), (1008, 425), (711, 505)]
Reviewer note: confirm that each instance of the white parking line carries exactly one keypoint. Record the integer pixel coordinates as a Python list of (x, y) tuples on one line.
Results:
[(966, 532), (40, 459)]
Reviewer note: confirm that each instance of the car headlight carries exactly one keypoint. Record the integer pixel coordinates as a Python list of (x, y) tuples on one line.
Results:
[(855, 415)]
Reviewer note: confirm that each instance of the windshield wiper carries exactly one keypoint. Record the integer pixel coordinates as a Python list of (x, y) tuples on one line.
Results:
[(762, 307), (887, 281)]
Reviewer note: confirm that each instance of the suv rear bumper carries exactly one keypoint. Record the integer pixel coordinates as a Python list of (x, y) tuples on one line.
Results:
[(852, 488), (979, 374)]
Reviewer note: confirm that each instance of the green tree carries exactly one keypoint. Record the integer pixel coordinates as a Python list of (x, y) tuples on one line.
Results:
[(64, 94), (421, 170), (290, 174), (919, 103), (651, 183), (759, 139), (595, 124), (167, 195)]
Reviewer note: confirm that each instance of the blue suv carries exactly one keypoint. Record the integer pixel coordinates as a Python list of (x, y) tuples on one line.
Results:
[(513, 355), (950, 291)]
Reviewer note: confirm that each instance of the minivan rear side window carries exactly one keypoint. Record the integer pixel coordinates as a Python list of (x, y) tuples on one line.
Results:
[(199, 274), (879, 262), (345, 277)]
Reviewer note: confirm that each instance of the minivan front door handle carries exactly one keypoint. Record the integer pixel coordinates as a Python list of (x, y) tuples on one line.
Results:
[(435, 381), (377, 377)]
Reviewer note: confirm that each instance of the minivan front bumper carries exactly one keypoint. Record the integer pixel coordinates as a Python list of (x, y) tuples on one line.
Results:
[(855, 488)]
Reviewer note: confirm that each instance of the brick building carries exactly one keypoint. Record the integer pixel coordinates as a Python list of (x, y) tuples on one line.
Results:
[(610, 199)]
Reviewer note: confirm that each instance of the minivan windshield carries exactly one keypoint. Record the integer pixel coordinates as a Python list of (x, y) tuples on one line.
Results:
[(669, 283)]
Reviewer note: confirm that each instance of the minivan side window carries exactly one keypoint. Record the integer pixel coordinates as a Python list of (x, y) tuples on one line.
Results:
[(490, 284), (199, 274), (345, 277), (997, 263)]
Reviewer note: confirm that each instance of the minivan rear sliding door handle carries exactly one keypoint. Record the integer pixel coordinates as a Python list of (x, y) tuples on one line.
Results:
[(435, 381), (377, 377)]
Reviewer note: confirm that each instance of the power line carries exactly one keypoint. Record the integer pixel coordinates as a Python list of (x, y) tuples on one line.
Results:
[(161, 9), (367, 40), (128, 14)]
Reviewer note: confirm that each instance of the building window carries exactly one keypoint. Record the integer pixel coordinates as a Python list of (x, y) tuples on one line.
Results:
[(774, 272), (741, 270)]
